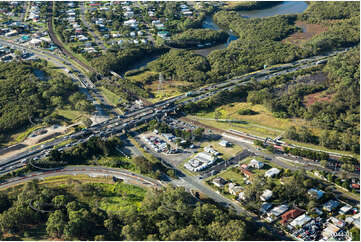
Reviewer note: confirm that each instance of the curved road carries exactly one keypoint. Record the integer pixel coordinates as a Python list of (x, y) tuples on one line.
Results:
[(92, 171)]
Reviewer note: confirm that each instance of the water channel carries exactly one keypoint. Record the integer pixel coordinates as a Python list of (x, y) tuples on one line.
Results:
[(285, 7)]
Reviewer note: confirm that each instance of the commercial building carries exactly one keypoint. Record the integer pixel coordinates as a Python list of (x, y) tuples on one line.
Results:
[(345, 209), (200, 162), (293, 213)]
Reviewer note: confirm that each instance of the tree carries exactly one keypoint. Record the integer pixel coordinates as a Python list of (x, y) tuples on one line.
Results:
[(56, 224), (217, 114), (144, 165), (323, 163), (355, 233), (235, 230), (99, 237), (60, 201), (134, 231), (4, 202), (198, 133)]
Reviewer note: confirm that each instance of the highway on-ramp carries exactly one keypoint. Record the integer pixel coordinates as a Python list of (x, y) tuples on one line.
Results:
[(92, 171)]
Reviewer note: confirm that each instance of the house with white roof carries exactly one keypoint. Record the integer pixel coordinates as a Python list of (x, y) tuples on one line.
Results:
[(256, 164), (266, 195), (272, 172)]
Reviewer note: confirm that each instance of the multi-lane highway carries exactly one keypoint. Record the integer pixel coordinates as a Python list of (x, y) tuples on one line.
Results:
[(130, 120)]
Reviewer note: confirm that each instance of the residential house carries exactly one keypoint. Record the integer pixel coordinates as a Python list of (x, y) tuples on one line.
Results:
[(291, 214), (219, 182), (224, 143), (163, 34), (265, 207), (272, 172), (300, 221), (256, 164), (315, 193), (234, 189), (266, 195), (245, 172), (330, 205)]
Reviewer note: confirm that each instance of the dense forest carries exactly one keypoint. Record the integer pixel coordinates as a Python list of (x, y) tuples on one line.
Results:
[(340, 117), (181, 65), (25, 98), (168, 214), (192, 37), (119, 59)]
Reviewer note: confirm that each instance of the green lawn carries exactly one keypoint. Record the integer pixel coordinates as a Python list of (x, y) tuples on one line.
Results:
[(70, 114)]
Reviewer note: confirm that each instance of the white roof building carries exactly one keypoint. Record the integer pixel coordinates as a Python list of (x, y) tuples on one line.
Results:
[(277, 211), (345, 209), (272, 172), (300, 220), (256, 164), (267, 194), (234, 189), (224, 143)]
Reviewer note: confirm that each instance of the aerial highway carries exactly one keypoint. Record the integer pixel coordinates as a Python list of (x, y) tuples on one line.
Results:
[(122, 123)]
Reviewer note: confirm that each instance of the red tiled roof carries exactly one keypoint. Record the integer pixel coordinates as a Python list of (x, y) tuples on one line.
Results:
[(294, 213), (246, 172), (356, 186)]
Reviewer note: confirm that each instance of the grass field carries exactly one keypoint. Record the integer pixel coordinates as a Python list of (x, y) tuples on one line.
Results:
[(120, 196), (263, 121), (114, 197), (113, 98), (70, 114)]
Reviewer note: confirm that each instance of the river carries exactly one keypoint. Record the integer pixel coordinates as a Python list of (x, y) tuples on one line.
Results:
[(285, 7)]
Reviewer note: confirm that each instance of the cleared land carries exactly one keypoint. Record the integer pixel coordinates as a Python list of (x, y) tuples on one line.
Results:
[(316, 97), (308, 31), (263, 123)]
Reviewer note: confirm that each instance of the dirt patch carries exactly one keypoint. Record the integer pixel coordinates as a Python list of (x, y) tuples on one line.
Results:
[(308, 31), (11, 148), (317, 97), (49, 137)]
